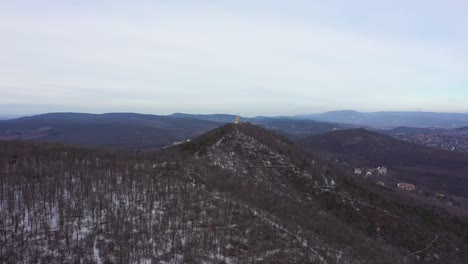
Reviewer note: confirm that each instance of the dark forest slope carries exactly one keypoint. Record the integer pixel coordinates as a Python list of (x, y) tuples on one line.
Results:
[(238, 194)]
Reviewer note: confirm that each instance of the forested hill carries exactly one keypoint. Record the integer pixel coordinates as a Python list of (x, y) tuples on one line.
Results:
[(238, 194)]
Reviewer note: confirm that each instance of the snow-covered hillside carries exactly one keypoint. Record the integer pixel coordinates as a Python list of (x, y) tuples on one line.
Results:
[(238, 194)]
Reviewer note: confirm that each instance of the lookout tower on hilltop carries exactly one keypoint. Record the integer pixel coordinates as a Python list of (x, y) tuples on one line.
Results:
[(237, 120)]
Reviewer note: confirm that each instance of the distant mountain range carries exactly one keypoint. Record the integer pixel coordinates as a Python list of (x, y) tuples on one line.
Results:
[(386, 120), (7, 117), (115, 130), (392, 119), (382, 119), (141, 131), (145, 131)]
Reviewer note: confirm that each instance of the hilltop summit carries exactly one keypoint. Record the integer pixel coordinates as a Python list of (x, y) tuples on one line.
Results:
[(255, 153)]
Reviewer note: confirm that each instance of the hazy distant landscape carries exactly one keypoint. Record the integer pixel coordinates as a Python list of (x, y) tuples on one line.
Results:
[(157, 131), (417, 155), (234, 132), (394, 119), (201, 165)]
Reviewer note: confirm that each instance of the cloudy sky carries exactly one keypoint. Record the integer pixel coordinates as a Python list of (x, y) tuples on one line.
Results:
[(248, 57)]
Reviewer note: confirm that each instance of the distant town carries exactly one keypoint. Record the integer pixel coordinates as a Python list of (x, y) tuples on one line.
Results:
[(450, 140)]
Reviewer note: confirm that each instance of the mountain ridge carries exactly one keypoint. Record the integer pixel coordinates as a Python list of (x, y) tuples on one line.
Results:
[(392, 119), (138, 130)]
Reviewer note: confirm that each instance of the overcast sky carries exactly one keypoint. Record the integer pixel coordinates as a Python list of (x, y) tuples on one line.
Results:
[(247, 57)]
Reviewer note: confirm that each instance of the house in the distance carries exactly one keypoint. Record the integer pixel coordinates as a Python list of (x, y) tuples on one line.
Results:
[(357, 171), (380, 171), (406, 186)]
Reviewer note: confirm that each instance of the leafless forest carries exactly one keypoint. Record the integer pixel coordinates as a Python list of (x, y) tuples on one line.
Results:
[(232, 196)]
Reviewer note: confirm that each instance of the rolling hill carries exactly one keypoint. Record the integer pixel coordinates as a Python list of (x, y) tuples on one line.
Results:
[(298, 129), (237, 194), (130, 131), (436, 169), (390, 120), (115, 130), (291, 127)]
